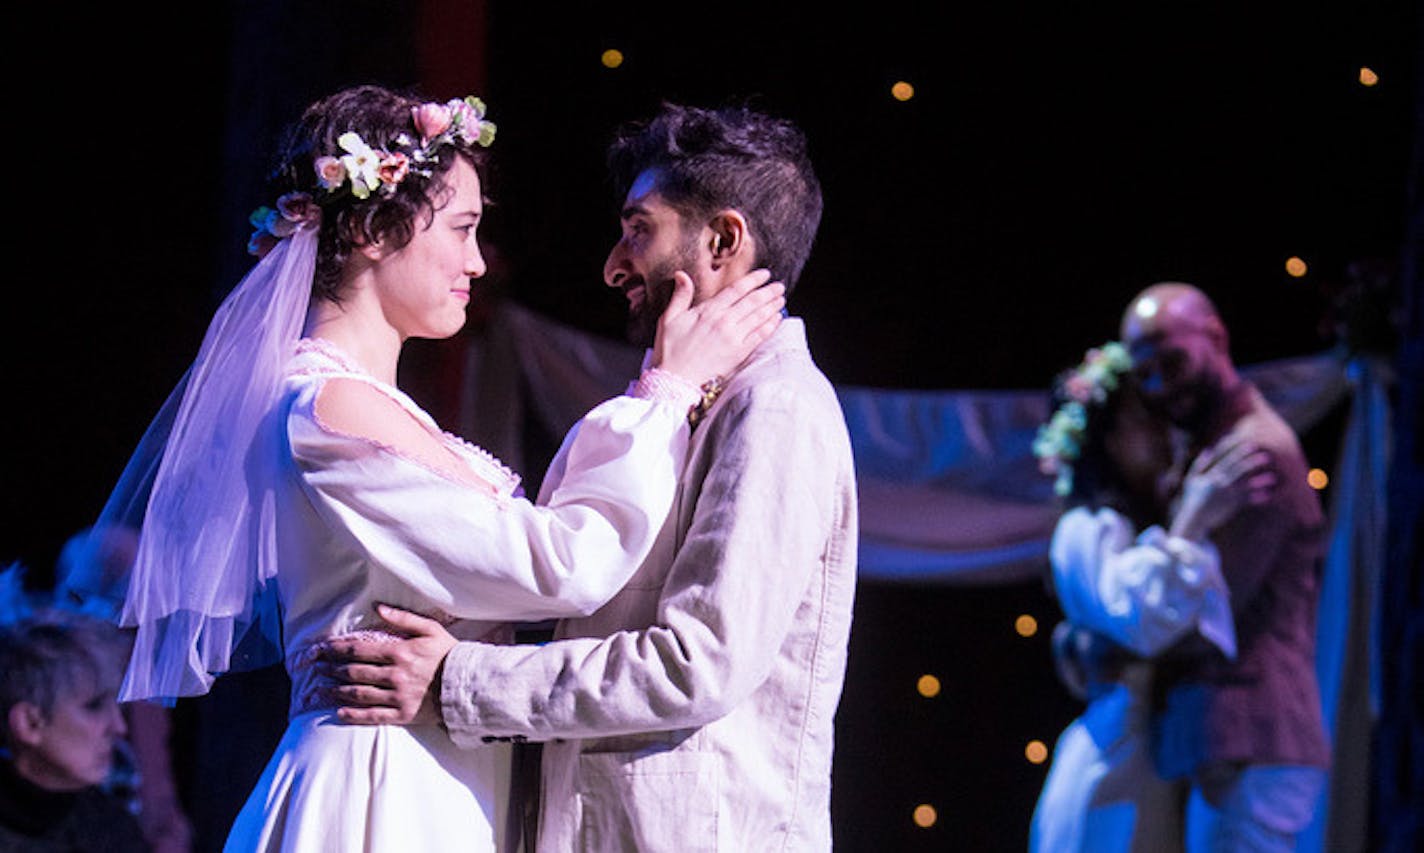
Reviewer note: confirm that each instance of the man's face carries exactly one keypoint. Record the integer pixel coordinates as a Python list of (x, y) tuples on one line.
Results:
[(653, 246), (1175, 365)]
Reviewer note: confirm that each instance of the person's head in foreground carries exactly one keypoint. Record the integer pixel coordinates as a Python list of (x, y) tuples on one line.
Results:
[(58, 680)]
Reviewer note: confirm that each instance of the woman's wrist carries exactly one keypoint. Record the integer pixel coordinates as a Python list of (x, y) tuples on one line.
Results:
[(661, 385), (1190, 520), (1188, 530)]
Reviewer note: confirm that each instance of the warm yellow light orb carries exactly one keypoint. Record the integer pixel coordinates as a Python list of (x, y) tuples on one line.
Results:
[(1317, 479), (928, 686), (612, 58), (1036, 752), (902, 91), (1295, 266), (1368, 77), (925, 816), (1026, 625)]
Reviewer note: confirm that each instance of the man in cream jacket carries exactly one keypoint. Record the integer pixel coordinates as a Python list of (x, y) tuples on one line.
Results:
[(694, 711)]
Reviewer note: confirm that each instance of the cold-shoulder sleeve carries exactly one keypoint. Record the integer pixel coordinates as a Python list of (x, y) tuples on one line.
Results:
[(1143, 592), (478, 553)]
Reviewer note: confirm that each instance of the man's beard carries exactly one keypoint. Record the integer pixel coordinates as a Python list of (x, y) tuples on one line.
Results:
[(643, 318), (1196, 407), (657, 293)]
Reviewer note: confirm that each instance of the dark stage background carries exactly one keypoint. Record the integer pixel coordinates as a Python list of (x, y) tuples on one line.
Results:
[(1052, 161)]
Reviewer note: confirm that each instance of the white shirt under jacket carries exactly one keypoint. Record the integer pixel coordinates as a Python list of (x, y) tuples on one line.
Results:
[(694, 711)]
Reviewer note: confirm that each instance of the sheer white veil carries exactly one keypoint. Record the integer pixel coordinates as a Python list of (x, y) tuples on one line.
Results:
[(199, 488)]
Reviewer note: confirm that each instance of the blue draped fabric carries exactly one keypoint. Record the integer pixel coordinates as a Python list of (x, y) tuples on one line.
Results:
[(1347, 648)]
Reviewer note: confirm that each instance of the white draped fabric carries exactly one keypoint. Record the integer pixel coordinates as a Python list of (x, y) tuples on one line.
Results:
[(950, 492)]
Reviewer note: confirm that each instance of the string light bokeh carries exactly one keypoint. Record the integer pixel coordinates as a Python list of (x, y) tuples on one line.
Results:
[(993, 193)]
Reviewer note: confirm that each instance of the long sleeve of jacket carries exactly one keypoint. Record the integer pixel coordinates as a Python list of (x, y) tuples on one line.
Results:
[(758, 534)]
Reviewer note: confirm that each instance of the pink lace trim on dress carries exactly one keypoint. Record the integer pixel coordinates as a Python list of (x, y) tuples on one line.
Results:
[(664, 386), (501, 479)]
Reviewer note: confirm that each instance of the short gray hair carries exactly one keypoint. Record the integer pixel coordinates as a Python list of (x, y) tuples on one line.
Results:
[(49, 655)]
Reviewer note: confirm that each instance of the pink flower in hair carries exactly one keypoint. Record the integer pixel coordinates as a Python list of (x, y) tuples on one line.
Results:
[(469, 120), (261, 243), (1078, 387), (461, 113), (393, 168), (298, 207), (431, 119), (278, 225), (329, 172)]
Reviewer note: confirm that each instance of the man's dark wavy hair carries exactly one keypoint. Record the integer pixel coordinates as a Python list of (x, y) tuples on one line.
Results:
[(733, 157)]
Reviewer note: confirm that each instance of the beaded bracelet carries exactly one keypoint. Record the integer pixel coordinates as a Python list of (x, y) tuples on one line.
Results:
[(665, 386)]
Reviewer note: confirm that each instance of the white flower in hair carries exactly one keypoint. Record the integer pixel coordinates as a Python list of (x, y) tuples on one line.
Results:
[(362, 163), (367, 169)]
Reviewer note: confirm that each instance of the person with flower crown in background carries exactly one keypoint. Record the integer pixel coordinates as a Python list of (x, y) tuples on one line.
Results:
[(288, 485), (1132, 580)]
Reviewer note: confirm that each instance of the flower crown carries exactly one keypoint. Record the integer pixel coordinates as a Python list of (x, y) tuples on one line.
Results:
[(362, 169), (1059, 442)]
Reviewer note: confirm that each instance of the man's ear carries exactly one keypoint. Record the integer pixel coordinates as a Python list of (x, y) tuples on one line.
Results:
[(27, 723), (1216, 331), (730, 236)]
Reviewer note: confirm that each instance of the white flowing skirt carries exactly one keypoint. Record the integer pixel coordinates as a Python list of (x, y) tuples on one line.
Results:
[(1102, 794), (337, 788)]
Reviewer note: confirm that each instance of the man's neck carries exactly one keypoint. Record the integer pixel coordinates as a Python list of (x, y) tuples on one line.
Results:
[(1234, 402)]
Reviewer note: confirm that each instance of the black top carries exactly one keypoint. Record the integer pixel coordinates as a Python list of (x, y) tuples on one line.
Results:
[(35, 820)]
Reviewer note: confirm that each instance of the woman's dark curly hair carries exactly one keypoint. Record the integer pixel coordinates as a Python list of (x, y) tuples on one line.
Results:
[(1094, 475), (1097, 480), (380, 116)]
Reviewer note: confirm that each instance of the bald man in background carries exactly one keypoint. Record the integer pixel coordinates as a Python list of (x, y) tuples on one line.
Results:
[(1247, 733)]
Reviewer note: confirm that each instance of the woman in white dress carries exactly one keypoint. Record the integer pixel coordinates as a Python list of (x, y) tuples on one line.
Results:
[(1133, 577), (298, 487)]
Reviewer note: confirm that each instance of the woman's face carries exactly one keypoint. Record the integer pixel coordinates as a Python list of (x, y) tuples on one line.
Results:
[(73, 746), (1139, 447), (424, 287)]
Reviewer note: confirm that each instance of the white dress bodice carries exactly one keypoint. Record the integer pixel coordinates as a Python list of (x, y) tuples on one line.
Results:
[(360, 523)]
